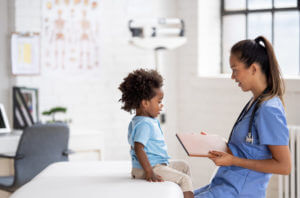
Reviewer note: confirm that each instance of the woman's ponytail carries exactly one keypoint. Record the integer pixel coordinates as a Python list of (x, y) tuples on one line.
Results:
[(274, 79)]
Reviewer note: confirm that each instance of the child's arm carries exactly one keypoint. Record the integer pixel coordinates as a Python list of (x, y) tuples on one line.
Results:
[(143, 159)]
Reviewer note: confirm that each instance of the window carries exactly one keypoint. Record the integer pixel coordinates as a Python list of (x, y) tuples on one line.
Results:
[(277, 20)]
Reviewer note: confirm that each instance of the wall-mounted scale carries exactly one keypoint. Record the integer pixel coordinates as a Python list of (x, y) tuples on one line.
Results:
[(157, 35)]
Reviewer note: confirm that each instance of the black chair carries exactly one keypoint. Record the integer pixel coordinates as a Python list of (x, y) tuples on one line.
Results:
[(39, 146)]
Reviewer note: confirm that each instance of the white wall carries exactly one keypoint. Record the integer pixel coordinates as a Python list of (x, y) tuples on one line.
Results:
[(5, 80), (208, 37)]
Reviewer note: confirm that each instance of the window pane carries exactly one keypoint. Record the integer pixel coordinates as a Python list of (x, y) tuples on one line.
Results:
[(286, 41), (260, 24), (285, 3), (235, 5), (234, 30), (259, 4)]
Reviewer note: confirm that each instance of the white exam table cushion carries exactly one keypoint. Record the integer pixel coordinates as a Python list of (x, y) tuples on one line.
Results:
[(105, 179)]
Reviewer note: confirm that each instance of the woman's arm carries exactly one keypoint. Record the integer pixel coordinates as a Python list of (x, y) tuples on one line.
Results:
[(143, 159), (279, 164)]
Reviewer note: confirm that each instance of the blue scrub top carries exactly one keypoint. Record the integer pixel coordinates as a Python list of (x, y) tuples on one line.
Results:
[(269, 128)]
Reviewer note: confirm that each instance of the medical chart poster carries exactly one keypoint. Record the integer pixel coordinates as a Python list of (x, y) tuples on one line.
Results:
[(70, 36), (25, 54)]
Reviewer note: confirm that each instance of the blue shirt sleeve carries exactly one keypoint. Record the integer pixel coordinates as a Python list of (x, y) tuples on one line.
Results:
[(272, 126), (142, 133)]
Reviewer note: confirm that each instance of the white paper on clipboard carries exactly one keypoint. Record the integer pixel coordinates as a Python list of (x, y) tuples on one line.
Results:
[(198, 145)]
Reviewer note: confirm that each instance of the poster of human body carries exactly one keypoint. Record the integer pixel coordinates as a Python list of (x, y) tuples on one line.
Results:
[(70, 34)]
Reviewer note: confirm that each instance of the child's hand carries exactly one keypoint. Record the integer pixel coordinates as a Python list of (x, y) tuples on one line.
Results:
[(152, 177)]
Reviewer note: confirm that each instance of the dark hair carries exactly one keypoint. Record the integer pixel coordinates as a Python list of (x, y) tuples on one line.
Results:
[(137, 86), (261, 51)]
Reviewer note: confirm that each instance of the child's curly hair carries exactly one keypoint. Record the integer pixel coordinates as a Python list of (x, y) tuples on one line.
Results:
[(137, 86)]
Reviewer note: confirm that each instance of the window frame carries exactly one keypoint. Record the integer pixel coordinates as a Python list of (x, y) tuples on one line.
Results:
[(248, 11)]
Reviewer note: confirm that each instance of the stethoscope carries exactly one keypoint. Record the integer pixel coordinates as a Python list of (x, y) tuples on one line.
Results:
[(249, 137)]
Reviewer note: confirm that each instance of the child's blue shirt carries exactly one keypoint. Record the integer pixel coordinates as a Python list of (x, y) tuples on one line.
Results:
[(147, 131)]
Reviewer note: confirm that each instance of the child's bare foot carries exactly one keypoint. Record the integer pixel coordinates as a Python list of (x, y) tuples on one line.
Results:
[(188, 194)]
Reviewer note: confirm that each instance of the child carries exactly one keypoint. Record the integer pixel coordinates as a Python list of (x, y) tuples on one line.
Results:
[(142, 93)]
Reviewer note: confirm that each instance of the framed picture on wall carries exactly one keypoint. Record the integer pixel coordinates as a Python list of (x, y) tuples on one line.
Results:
[(25, 54), (25, 107)]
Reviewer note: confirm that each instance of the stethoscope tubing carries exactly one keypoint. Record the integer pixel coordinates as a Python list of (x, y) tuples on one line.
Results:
[(257, 103)]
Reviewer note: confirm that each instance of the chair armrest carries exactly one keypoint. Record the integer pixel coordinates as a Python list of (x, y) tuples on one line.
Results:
[(7, 156), (19, 156), (68, 152), (16, 157)]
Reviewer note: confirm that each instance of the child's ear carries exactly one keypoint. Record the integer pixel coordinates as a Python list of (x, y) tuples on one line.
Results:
[(144, 103)]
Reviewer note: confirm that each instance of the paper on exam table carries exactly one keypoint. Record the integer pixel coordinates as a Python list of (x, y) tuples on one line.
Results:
[(198, 145)]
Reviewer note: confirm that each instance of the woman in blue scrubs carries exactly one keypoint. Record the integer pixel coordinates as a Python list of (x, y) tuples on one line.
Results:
[(258, 144)]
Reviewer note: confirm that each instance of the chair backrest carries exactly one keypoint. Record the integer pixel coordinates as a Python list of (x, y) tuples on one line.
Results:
[(39, 146)]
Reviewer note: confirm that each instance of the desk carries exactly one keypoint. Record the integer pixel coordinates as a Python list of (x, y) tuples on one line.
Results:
[(87, 144), (9, 142), (94, 179)]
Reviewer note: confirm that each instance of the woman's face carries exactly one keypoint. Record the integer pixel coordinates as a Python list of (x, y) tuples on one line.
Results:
[(240, 73)]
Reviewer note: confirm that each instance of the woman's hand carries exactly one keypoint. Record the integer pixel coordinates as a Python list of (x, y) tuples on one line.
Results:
[(221, 158), (152, 177)]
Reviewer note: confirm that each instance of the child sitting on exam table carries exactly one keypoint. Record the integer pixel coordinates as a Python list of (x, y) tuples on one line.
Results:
[(142, 93)]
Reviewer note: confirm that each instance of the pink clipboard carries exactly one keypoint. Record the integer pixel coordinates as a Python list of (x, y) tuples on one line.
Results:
[(198, 145)]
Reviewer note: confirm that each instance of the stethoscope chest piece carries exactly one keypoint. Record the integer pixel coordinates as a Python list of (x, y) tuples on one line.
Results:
[(249, 138)]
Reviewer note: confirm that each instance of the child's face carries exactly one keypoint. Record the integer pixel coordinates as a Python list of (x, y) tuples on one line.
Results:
[(155, 105)]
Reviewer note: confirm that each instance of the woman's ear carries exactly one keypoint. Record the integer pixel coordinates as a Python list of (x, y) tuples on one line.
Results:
[(254, 68)]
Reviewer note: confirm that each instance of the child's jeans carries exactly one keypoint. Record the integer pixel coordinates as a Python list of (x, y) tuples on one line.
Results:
[(177, 172)]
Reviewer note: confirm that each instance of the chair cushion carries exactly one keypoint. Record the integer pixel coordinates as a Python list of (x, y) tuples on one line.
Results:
[(6, 180)]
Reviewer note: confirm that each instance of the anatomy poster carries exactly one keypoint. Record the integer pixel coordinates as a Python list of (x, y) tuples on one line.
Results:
[(70, 34)]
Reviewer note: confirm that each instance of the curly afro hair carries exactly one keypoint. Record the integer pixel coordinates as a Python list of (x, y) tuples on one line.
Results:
[(137, 86)]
